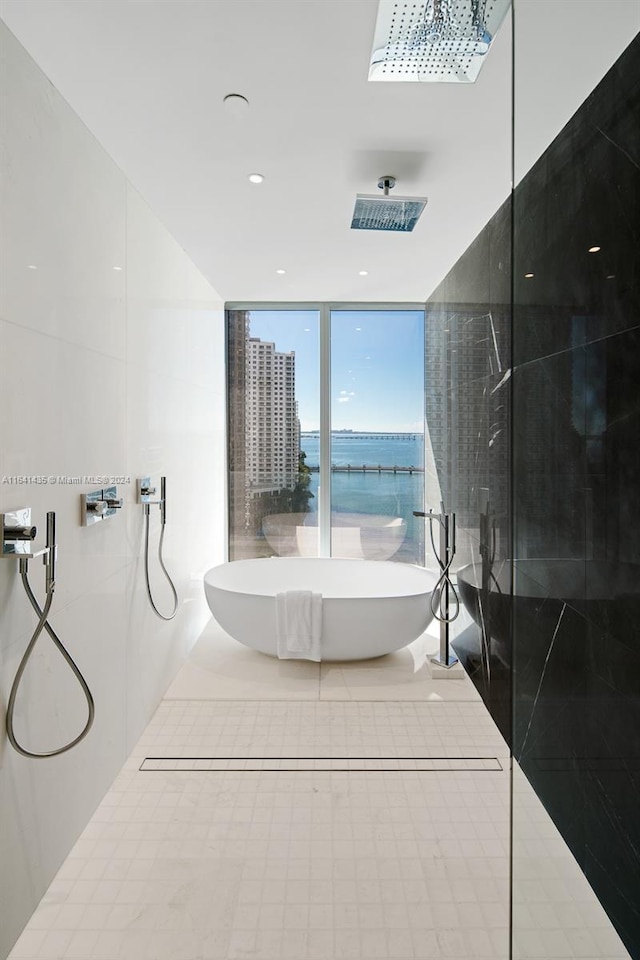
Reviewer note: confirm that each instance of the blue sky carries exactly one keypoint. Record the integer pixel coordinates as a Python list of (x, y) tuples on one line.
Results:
[(377, 360)]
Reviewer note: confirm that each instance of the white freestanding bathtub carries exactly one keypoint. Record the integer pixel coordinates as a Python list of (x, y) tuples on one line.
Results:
[(369, 607)]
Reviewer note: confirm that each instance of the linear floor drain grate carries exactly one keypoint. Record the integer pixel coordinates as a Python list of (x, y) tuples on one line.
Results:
[(321, 765)]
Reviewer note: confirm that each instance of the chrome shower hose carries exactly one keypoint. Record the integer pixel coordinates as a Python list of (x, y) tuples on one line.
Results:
[(162, 567), (43, 624)]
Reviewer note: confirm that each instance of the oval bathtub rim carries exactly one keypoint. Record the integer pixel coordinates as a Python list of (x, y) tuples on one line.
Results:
[(254, 591)]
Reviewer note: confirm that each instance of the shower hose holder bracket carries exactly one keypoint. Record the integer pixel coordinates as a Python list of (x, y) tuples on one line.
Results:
[(147, 493)]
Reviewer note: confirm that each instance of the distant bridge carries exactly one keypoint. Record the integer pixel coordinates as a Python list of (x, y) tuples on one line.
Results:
[(366, 468), (363, 436)]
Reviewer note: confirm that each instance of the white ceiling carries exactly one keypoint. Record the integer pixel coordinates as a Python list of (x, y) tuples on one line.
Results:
[(148, 78)]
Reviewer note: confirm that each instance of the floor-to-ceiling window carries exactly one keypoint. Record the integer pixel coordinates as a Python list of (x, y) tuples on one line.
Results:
[(273, 395), (326, 431), (377, 433)]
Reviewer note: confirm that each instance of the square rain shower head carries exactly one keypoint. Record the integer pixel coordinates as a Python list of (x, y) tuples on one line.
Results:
[(376, 212), (434, 40)]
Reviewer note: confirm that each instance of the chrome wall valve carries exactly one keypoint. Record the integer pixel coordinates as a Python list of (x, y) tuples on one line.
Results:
[(99, 505)]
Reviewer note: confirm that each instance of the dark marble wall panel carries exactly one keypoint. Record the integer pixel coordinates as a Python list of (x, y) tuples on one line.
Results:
[(468, 357), (576, 494), (468, 351), (533, 401)]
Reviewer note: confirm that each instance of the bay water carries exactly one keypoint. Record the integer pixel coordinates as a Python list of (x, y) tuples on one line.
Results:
[(385, 494)]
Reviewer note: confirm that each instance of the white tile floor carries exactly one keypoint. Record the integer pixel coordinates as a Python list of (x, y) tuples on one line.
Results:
[(214, 858), (221, 669), (320, 729)]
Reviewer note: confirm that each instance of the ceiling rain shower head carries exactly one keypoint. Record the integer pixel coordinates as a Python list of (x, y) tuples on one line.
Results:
[(434, 40), (375, 212)]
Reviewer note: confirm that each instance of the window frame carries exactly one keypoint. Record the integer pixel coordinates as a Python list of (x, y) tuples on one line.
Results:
[(324, 310)]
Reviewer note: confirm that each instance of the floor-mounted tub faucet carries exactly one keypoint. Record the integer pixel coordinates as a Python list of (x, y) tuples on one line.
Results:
[(445, 604)]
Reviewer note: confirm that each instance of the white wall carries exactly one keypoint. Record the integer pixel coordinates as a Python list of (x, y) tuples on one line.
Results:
[(102, 371)]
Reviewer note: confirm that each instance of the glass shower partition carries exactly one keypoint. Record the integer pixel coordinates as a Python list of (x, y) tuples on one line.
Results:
[(576, 506)]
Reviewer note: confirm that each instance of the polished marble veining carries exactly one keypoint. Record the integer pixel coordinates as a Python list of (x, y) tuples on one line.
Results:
[(555, 911), (553, 446), (192, 865), (576, 635), (468, 407)]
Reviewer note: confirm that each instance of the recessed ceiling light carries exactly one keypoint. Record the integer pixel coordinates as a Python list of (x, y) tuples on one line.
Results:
[(364, 273), (281, 271), (593, 249), (31, 266), (117, 268), (528, 276), (256, 177)]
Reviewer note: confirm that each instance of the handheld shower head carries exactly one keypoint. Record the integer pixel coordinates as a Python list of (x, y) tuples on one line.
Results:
[(51, 555), (145, 492), (163, 500)]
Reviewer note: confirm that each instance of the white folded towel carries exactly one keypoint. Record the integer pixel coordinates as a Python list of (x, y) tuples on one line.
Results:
[(299, 624)]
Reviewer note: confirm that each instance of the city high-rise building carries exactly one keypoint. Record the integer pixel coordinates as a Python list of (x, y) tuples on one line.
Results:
[(272, 432), (237, 335)]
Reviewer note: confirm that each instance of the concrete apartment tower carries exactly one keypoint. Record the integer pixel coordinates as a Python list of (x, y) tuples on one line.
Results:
[(272, 436)]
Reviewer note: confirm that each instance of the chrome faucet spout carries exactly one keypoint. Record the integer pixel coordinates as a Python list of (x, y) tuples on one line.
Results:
[(20, 533)]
